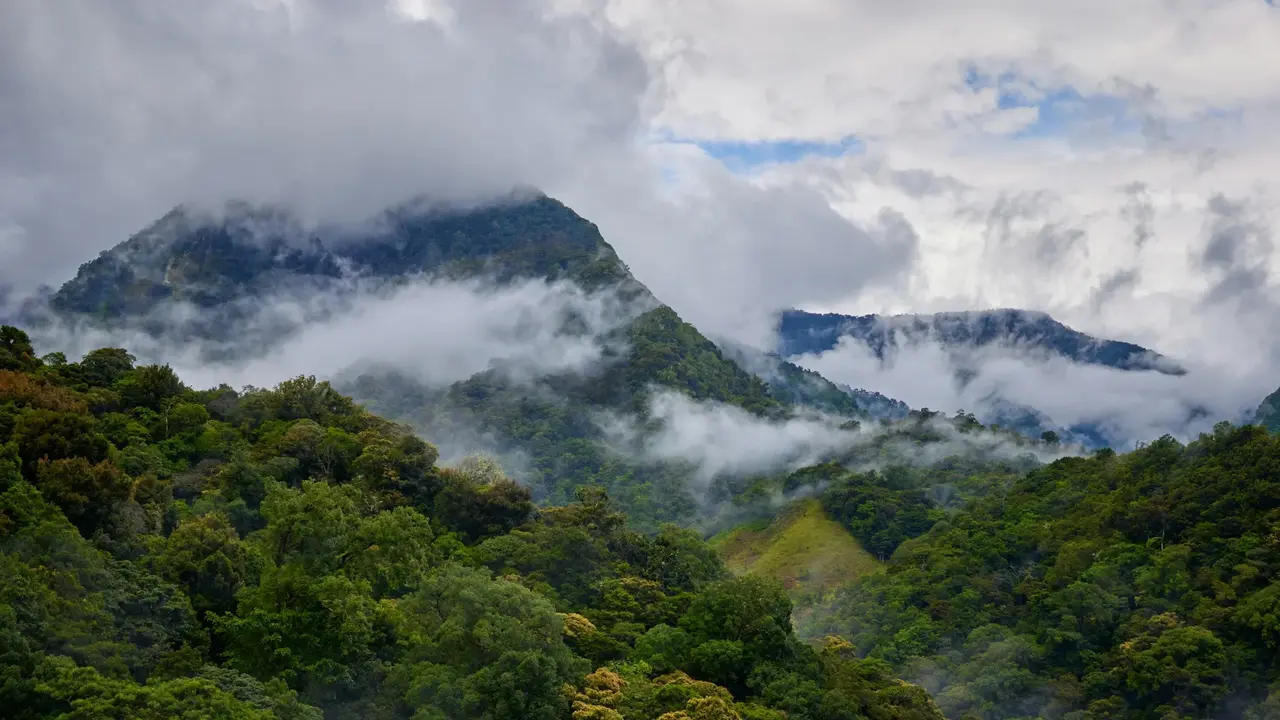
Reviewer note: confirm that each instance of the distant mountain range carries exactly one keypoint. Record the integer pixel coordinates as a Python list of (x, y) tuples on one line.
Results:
[(967, 337), (805, 333)]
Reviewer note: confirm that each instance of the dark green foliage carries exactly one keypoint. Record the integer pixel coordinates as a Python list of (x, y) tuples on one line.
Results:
[(49, 435), (555, 423), (16, 352), (1268, 412), (880, 516), (665, 351), (284, 554), (1135, 586), (149, 387), (102, 368)]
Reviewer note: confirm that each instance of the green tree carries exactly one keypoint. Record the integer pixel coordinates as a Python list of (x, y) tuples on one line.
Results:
[(205, 556), (103, 367), (16, 352), (149, 386), (87, 493), (88, 695), (484, 648), (48, 435)]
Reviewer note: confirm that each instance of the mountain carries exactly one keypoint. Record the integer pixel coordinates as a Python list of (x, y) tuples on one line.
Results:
[(793, 385), (550, 429), (1131, 586), (283, 554), (1268, 412), (804, 333), (211, 260)]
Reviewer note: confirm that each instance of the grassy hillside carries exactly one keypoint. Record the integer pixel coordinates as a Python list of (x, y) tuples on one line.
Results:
[(803, 548)]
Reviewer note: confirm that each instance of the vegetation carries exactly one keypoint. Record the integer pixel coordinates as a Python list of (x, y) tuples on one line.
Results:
[(250, 250), (283, 553), (1268, 412), (808, 552), (553, 423), (1135, 586), (169, 552)]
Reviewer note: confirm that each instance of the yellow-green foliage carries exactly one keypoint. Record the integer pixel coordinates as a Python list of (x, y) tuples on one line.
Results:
[(803, 548)]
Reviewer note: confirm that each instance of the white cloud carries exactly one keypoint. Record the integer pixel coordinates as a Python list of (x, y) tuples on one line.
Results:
[(821, 68), (1128, 406), (435, 332), (116, 112), (1098, 199), (725, 440)]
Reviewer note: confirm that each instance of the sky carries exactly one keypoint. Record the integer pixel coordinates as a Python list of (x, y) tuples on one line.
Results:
[(1113, 164)]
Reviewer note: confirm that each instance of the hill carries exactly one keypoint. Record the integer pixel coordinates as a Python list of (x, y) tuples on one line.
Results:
[(1126, 586), (1268, 413), (791, 384), (284, 554), (224, 268), (808, 552), (801, 333)]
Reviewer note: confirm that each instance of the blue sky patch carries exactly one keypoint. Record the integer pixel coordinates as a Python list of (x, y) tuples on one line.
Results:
[(744, 156), (1062, 110)]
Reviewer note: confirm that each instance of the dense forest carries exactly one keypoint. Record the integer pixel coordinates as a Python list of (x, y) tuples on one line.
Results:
[(173, 552), (1115, 586), (180, 553)]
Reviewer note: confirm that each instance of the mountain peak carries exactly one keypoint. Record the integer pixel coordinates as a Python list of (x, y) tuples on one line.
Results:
[(212, 257)]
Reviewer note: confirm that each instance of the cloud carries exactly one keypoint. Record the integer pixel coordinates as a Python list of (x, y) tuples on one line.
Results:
[(1109, 163), (821, 70), (720, 440), (723, 439), (727, 253), (1128, 406), (1081, 153), (436, 333), (117, 112)]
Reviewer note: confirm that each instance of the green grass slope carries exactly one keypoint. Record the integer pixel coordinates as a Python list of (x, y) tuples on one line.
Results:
[(808, 552)]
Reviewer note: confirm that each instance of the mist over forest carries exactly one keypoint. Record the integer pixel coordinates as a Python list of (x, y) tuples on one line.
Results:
[(619, 360)]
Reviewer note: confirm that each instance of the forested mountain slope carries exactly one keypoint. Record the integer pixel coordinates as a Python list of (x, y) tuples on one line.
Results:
[(554, 421), (224, 268), (1268, 412), (1118, 586), (174, 553)]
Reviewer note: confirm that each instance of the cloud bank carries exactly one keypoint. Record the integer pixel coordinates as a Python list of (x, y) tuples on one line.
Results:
[(435, 332), (117, 112), (1127, 406), (1114, 167)]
